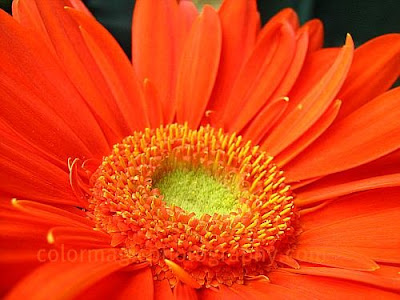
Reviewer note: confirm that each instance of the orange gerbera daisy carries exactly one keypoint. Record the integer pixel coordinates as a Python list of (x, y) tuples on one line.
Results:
[(228, 161)]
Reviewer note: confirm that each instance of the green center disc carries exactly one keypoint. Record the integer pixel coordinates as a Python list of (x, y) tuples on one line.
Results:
[(196, 191)]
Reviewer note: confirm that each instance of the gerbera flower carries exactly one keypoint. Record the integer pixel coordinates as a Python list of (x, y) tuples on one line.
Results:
[(227, 161)]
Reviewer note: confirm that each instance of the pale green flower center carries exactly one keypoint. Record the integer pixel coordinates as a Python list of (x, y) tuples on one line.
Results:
[(195, 190)]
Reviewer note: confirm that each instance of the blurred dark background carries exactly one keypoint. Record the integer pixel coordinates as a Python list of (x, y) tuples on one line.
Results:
[(364, 19)]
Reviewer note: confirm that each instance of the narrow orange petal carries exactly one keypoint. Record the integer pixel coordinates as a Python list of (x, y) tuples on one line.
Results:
[(257, 289), (379, 230), (77, 238), (139, 286), (116, 69), (15, 271), (368, 278), (153, 103), (334, 257), (314, 104), (237, 42), (315, 66), (293, 72), (287, 260), (368, 77), (316, 31), (32, 87), (26, 255), (383, 166), (64, 279), (286, 15), (198, 68), (20, 168), (310, 135), (360, 204), (157, 43), (319, 193), (370, 132), (27, 13), (188, 13), (52, 215), (352, 205), (162, 290), (324, 288), (183, 292), (260, 76), (78, 5), (79, 65), (265, 120), (222, 293)]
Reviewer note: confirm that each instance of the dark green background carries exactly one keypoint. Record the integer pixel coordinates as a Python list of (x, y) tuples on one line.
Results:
[(364, 19)]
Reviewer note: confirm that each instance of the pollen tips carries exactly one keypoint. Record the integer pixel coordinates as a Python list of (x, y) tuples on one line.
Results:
[(14, 202), (50, 237)]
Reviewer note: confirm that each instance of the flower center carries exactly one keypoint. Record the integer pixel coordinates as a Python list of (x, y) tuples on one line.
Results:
[(197, 205), (196, 190)]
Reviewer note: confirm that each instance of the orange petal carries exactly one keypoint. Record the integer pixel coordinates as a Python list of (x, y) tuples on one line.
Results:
[(78, 5), (59, 120), (26, 174), (260, 76), (316, 32), (287, 260), (153, 104), (360, 204), (377, 230), (27, 13), (66, 41), (368, 77), (188, 13), (368, 278), (367, 134), (222, 293), (12, 256), (78, 238), (321, 192), (183, 292), (21, 240), (313, 105), (106, 288), (237, 42), (15, 271), (265, 120), (334, 257), (352, 205), (310, 135), (289, 79), (286, 15), (139, 286), (198, 68), (383, 166), (257, 289), (162, 290), (51, 214), (324, 288), (316, 65), (116, 70), (62, 279), (156, 46)]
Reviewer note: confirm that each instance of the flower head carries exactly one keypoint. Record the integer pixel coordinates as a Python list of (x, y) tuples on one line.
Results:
[(227, 160)]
